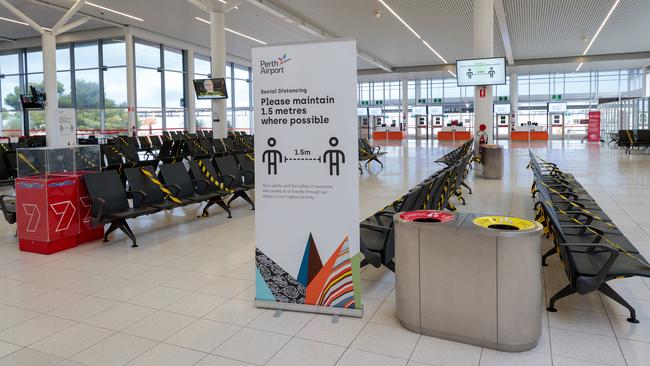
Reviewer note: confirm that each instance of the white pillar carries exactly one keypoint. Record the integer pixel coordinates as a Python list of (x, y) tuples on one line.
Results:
[(130, 81), (218, 58), (483, 48), (514, 102), (646, 81), (405, 104), (49, 84), (190, 101)]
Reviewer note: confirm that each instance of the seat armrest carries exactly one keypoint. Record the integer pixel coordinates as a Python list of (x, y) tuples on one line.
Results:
[(142, 195), (381, 229), (586, 284), (229, 180), (100, 202), (175, 189)]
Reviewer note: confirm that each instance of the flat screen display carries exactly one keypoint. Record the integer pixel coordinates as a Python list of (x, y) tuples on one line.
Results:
[(481, 71), (211, 88), (502, 108), (556, 107), (375, 112), (419, 110), (435, 110)]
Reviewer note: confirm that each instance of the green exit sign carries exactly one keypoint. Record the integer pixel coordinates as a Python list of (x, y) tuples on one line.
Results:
[(365, 103), (503, 99), (437, 100), (379, 102), (422, 101), (557, 97)]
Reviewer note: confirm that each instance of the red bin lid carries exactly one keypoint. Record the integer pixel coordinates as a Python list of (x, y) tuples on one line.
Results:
[(428, 215)]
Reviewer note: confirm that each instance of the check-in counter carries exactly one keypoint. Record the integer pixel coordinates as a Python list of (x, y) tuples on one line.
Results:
[(454, 133), (528, 133)]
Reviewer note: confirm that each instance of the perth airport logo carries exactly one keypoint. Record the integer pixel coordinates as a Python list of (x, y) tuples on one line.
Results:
[(274, 66)]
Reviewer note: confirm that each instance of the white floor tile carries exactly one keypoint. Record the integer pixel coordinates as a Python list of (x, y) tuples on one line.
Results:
[(238, 347), (586, 347), (71, 340), (196, 304), (158, 297), (34, 330), (204, 335), (235, 311), (225, 286), (117, 349), (300, 352), (213, 360), (385, 340), (83, 309), (190, 281), (581, 321), (168, 355), (436, 351), (495, 358), (50, 300), (8, 348), (159, 325), (10, 316), (354, 357), (119, 316), (29, 357), (322, 329), (283, 322)]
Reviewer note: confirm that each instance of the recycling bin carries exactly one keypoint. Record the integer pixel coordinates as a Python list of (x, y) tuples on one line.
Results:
[(469, 278), (492, 160)]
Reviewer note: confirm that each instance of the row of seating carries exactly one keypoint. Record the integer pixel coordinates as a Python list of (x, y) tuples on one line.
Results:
[(369, 153), (633, 138), (592, 249), (172, 185), (434, 193)]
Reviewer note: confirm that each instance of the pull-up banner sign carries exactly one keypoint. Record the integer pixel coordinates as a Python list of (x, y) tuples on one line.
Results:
[(307, 180)]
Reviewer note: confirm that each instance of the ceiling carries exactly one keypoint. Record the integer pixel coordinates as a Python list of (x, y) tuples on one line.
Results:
[(537, 28)]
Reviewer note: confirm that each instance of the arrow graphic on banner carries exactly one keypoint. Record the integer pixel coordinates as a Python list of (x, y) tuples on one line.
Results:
[(34, 217), (66, 211)]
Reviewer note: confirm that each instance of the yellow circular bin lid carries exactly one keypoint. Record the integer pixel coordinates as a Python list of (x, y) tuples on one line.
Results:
[(504, 223)]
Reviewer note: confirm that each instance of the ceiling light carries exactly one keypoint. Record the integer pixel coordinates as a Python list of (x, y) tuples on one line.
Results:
[(399, 18), (115, 11), (601, 26), (411, 29), (13, 21), (434, 51), (579, 66), (451, 72), (232, 31), (225, 2)]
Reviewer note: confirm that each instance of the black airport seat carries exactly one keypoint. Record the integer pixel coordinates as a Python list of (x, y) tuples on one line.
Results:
[(178, 180), (228, 166), (8, 207), (110, 204), (205, 170), (146, 193)]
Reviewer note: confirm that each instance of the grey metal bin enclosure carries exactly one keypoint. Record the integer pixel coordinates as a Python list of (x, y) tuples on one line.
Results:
[(470, 283), (492, 160)]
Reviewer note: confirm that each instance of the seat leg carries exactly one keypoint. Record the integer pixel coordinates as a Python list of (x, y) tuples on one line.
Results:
[(114, 225), (205, 212), (245, 196), (466, 186), (548, 254), (223, 205), (609, 292), (124, 226), (391, 265), (566, 291), (364, 262)]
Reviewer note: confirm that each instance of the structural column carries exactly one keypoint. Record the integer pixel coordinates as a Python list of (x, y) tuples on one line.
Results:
[(130, 81), (483, 48), (514, 102), (405, 103), (190, 100), (218, 60), (49, 85)]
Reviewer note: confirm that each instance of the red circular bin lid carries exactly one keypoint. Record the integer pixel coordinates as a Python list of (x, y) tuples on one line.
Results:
[(441, 216)]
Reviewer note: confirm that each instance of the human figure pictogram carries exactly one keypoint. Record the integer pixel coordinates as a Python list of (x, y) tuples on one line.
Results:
[(336, 157), (491, 72), (272, 157), (469, 73)]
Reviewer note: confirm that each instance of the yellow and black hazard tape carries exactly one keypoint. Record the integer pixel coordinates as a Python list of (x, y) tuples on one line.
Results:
[(629, 137), (86, 160), (250, 156), (576, 206), (200, 146), (154, 180), (123, 139), (29, 163), (604, 237), (212, 179)]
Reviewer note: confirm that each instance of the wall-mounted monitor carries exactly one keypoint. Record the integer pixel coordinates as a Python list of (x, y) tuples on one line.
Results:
[(375, 112), (35, 100), (362, 111), (502, 108), (556, 107), (214, 88), (481, 71), (435, 110), (419, 110)]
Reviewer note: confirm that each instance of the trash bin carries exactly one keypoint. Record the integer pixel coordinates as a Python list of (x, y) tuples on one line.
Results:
[(492, 160), (469, 278)]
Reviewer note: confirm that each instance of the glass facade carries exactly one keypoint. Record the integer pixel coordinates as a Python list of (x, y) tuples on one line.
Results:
[(581, 91), (91, 78)]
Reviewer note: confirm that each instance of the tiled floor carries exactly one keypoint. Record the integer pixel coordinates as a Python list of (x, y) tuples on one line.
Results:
[(185, 296)]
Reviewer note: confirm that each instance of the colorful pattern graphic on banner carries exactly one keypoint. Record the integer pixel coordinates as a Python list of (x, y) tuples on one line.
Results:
[(307, 182)]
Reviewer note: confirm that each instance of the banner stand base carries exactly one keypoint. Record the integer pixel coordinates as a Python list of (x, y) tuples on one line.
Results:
[(327, 310)]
